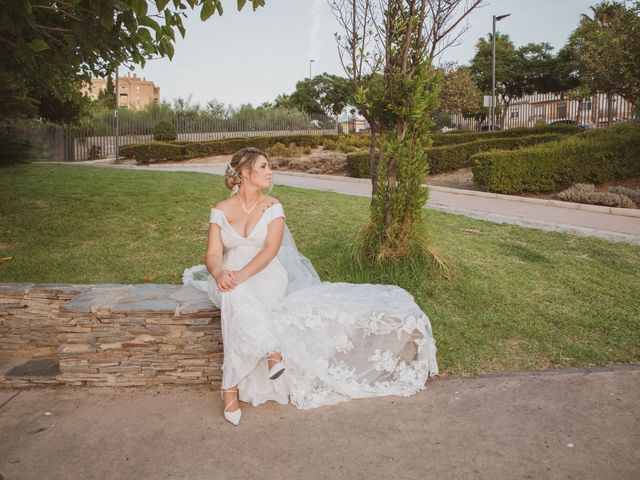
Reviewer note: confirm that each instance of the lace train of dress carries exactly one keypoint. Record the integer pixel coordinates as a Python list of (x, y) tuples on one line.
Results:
[(338, 340)]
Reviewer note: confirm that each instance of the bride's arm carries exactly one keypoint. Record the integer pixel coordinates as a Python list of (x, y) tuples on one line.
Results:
[(213, 260), (272, 243)]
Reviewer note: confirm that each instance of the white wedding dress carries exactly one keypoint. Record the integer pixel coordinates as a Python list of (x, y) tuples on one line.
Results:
[(338, 340)]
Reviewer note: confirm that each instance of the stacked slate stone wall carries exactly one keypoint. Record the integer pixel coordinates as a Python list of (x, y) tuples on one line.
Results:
[(28, 317), (118, 335)]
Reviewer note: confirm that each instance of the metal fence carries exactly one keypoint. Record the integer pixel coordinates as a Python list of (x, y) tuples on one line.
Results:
[(98, 137), (600, 110)]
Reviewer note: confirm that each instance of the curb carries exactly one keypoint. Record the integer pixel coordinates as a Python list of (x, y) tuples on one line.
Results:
[(549, 226), (626, 212)]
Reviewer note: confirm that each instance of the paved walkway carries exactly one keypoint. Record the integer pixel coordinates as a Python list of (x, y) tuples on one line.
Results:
[(566, 424), (615, 224)]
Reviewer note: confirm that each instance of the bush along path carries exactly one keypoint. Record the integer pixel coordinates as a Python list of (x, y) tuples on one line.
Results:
[(596, 156)]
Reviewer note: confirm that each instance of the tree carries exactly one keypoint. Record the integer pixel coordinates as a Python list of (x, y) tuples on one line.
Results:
[(324, 93), (334, 93), (387, 55), (217, 109), (460, 94), (304, 98), (510, 79), (47, 44), (107, 97), (607, 48), (536, 63)]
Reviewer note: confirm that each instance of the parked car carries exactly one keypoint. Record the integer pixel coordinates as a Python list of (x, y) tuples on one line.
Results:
[(447, 129), (566, 121)]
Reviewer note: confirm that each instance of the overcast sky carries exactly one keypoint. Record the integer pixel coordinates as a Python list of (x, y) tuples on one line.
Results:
[(251, 57)]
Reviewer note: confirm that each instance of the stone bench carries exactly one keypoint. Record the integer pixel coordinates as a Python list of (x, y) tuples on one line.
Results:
[(111, 335)]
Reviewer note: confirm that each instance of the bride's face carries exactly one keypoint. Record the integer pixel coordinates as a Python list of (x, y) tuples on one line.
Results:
[(260, 173)]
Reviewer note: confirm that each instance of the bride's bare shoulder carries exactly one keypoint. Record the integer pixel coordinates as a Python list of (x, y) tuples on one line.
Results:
[(270, 201), (223, 205)]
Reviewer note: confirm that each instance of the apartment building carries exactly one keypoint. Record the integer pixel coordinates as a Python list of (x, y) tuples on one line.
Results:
[(134, 93)]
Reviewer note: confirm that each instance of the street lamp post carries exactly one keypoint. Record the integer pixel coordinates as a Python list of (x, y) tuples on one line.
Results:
[(117, 115), (492, 113), (310, 62)]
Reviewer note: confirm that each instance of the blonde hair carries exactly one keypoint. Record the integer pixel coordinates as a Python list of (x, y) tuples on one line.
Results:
[(241, 160)]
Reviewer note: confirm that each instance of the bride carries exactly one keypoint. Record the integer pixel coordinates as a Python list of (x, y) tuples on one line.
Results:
[(287, 336)]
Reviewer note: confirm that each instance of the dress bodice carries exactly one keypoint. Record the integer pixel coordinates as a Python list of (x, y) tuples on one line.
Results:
[(238, 247)]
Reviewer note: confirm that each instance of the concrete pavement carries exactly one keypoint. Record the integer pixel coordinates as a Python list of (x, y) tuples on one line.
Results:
[(562, 424), (616, 224)]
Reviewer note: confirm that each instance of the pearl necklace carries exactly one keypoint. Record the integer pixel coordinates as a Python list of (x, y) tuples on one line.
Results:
[(244, 208)]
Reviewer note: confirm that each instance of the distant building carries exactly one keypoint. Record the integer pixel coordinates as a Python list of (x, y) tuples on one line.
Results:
[(598, 110), (353, 125), (135, 93)]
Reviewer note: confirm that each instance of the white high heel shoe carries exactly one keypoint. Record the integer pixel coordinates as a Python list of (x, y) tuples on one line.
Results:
[(233, 417), (276, 370)]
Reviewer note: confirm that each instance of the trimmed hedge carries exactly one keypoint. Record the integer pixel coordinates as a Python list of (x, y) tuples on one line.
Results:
[(462, 136), (164, 151), (451, 157), (595, 156)]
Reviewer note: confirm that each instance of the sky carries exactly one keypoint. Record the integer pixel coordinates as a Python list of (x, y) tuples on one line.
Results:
[(252, 57)]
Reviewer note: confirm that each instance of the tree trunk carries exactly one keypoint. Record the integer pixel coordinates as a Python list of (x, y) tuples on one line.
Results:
[(373, 165)]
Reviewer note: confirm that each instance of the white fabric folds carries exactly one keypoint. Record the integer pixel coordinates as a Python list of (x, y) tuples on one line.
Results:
[(338, 340)]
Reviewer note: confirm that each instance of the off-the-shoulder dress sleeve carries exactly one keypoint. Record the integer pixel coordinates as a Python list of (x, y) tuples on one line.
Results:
[(274, 211), (216, 217)]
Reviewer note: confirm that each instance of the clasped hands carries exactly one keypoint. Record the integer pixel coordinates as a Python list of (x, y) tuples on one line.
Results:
[(229, 279)]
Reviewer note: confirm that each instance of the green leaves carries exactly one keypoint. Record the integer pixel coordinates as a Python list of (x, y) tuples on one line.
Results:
[(85, 38), (208, 9), (38, 45)]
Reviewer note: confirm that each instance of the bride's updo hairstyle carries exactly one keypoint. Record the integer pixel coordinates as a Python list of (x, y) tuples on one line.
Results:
[(241, 160)]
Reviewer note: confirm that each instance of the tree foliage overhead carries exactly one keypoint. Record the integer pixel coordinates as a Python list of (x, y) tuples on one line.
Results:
[(607, 48), (51, 47)]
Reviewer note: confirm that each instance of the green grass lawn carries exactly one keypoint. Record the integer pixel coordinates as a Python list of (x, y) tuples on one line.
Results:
[(518, 298)]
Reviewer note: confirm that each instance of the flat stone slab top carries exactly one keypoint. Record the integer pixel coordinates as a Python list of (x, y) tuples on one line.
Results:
[(140, 299)]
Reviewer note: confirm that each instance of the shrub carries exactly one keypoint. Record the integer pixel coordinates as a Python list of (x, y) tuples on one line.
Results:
[(319, 165), (306, 150), (183, 150), (164, 132), (279, 163), (329, 145), (14, 148), (358, 165), (586, 193), (145, 153), (279, 150), (95, 152), (451, 157), (632, 193), (463, 136), (594, 156)]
